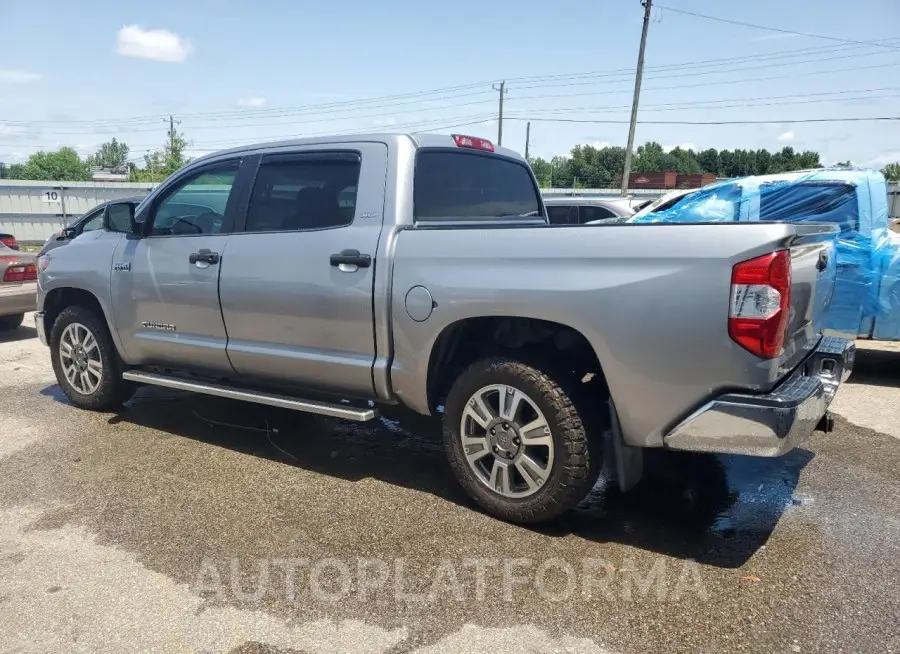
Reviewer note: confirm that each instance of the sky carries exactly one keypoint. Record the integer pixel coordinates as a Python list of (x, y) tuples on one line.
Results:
[(235, 72)]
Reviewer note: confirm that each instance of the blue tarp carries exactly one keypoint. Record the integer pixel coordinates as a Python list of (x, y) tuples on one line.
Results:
[(868, 252)]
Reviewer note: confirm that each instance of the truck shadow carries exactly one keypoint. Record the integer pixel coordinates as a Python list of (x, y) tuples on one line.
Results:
[(716, 510), (22, 333), (876, 368)]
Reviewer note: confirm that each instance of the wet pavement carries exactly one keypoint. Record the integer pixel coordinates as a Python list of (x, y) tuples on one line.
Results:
[(192, 523)]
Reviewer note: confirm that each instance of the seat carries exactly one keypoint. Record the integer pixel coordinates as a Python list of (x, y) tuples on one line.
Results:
[(316, 209)]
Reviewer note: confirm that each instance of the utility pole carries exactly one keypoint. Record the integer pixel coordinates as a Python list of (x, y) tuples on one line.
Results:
[(637, 96), (527, 138), (502, 89), (172, 132)]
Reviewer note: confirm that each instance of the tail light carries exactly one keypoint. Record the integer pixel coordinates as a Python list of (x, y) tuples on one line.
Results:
[(20, 272), (10, 242), (473, 143), (761, 303)]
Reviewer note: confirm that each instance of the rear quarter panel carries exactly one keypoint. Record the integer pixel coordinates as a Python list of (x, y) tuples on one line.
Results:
[(652, 300)]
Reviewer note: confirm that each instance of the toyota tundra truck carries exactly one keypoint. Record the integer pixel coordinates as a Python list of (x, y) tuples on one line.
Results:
[(336, 275)]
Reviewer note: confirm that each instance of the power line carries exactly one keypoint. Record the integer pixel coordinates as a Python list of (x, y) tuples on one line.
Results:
[(710, 122), (452, 92), (775, 29)]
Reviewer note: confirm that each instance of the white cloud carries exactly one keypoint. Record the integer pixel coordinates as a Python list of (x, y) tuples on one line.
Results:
[(599, 145), (882, 160), (683, 146), (8, 76), (384, 122), (159, 45), (786, 136), (251, 103)]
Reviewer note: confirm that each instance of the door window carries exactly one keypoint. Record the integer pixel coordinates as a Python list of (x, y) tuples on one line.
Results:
[(588, 213), (196, 205), (560, 214), (93, 222), (304, 193)]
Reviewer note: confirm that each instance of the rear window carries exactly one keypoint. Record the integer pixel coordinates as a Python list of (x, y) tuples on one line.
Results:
[(810, 202), (455, 185)]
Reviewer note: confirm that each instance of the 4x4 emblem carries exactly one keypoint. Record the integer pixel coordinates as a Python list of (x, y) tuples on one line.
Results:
[(122, 266)]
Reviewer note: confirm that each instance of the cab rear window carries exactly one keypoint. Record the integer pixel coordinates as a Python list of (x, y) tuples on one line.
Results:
[(451, 185)]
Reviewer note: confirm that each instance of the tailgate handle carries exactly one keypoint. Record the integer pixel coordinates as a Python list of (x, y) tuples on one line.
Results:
[(822, 263)]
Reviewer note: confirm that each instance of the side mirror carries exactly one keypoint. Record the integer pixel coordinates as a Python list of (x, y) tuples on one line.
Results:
[(67, 234), (120, 218)]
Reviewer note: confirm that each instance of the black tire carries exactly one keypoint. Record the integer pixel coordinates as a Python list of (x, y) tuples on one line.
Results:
[(577, 455), (112, 390), (11, 322)]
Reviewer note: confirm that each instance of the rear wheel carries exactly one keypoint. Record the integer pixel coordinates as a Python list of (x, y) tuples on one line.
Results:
[(517, 442), (85, 360), (11, 322)]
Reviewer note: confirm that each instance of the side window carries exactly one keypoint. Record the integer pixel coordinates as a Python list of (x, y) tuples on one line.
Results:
[(197, 204), (588, 213), (560, 215), (93, 222), (304, 193)]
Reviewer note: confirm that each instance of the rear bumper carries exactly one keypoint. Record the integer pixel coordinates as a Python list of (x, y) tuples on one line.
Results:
[(774, 423), (18, 298)]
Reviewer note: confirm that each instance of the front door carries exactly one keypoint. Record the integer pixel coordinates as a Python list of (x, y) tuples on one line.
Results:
[(165, 286), (295, 314)]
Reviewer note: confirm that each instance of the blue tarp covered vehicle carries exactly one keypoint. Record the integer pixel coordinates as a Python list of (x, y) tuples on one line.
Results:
[(867, 294)]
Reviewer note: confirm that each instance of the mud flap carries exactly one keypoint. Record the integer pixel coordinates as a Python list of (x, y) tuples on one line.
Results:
[(629, 461)]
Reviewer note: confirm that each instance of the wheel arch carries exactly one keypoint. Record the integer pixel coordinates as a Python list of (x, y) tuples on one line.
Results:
[(531, 339), (58, 299)]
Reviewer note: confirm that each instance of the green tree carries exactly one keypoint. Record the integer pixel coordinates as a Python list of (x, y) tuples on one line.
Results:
[(63, 165), (891, 172), (112, 155), (541, 168), (159, 164)]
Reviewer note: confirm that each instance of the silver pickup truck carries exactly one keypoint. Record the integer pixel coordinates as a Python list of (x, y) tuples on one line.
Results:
[(333, 275)]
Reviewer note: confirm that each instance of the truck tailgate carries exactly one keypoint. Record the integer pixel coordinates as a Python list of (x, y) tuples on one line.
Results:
[(813, 274)]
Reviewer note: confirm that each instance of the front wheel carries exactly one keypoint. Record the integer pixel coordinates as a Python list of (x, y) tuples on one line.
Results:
[(517, 442), (85, 360)]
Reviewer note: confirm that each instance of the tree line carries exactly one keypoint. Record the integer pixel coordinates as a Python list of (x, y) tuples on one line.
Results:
[(586, 166), (65, 164), (591, 167)]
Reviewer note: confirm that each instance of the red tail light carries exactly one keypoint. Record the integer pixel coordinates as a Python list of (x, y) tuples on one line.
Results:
[(473, 143), (761, 303), (10, 242), (20, 272)]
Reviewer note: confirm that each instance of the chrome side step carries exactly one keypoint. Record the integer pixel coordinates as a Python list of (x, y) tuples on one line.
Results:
[(282, 401)]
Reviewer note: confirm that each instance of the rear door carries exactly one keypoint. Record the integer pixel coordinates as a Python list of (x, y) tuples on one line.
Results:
[(297, 284), (165, 285)]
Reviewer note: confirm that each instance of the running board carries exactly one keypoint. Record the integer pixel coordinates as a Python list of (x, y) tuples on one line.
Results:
[(281, 401)]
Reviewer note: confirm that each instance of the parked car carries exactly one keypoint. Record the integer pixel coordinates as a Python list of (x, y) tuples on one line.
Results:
[(583, 210), (97, 218), (9, 241), (867, 293), (18, 286), (337, 274)]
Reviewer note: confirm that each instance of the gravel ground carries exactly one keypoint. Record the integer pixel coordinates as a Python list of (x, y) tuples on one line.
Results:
[(187, 523)]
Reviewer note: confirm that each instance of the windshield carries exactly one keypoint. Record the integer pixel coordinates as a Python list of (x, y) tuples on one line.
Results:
[(468, 186)]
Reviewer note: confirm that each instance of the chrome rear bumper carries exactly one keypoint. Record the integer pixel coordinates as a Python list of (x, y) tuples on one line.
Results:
[(774, 423)]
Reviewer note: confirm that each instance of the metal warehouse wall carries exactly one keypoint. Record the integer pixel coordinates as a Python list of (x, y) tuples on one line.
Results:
[(33, 210)]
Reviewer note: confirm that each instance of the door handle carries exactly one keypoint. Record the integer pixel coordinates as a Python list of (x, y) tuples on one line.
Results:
[(351, 258), (204, 256)]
